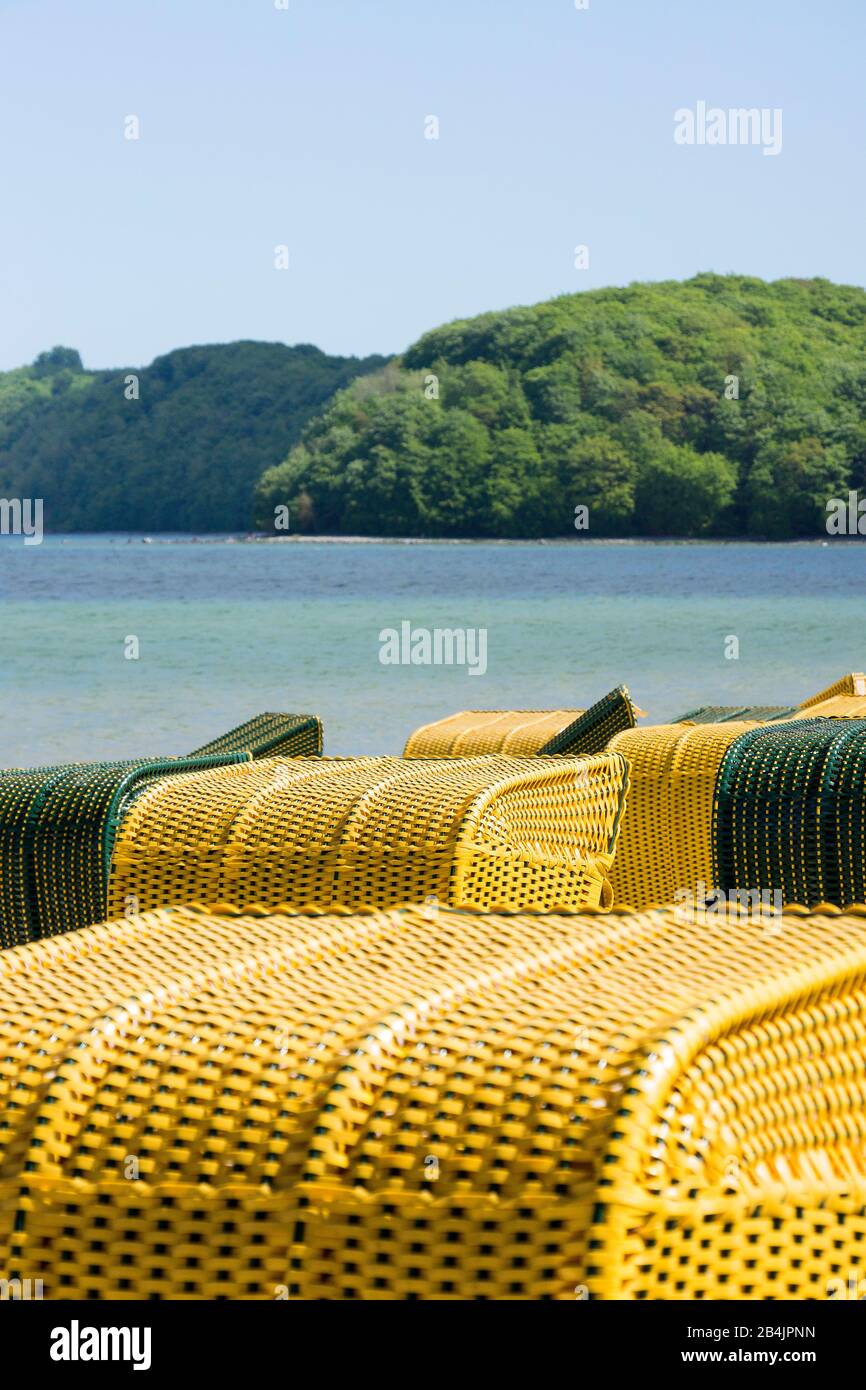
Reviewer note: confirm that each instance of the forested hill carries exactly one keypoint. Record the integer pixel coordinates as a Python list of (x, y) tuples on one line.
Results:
[(723, 405), (176, 446)]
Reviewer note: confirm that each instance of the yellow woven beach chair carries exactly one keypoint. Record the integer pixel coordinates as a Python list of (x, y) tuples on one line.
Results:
[(57, 824), (473, 731), (835, 707), (562, 732), (665, 842), (776, 809), (850, 685), (846, 699), (483, 832), (435, 1105)]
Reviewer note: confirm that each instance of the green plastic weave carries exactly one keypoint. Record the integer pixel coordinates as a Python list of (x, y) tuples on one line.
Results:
[(58, 824), (269, 736), (56, 830), (592, 731), (789, 812), (730, 714)]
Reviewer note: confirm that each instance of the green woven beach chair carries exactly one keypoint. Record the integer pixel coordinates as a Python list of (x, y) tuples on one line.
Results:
[(725, 714), (789, 812), (842, 818), (270, 736), (56, 831), (58, 824), (592, 731)]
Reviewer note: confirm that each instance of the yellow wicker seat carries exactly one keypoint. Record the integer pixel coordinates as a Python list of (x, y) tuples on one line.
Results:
[(665, 844), (845, 699), (473, 731), (566, 733), (834, 707), (435, 1105), (772, 809), (853, 684), (482, 832)]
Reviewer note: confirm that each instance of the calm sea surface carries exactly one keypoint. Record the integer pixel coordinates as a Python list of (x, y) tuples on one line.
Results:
[(227, 629)]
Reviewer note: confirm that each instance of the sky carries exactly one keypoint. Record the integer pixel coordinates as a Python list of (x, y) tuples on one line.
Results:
[(306, 127)]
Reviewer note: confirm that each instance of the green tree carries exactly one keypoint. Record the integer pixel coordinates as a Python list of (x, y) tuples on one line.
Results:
[(682, 493), (182, 452), (790, 485), (720, 405), (601, 475)]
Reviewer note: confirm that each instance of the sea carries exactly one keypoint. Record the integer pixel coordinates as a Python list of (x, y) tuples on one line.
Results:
[(120, 646)]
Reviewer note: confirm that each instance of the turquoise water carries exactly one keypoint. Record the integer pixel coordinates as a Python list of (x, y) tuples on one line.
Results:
[(227, 629)]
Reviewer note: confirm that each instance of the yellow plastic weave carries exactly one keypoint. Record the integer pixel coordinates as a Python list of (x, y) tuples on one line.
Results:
[(474, 731), (393, 1105), (665, 843), (853, 684), (470, 832), (834, 707)]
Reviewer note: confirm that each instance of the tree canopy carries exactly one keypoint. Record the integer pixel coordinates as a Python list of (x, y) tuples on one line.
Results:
[(721, 405), (176, 446)]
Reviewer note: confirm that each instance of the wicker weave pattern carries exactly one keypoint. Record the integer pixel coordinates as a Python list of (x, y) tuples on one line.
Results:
[(724, 714), (522, 732), (57, 824), (18, 791), (789, 811), (486, 832), (56, 829), (853, 684), (519, 732), (592, 731), (836, 707), (271, 736), (666, 838), (398, 1104)]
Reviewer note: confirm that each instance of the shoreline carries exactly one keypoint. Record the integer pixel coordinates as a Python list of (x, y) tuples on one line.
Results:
[(260, 538)]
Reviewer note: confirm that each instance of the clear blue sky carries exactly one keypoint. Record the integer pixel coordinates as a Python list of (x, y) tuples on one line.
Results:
[(306, 127)]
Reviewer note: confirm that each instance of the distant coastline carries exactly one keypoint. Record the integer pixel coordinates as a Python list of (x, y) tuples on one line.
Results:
[(718, 408), (261, 538)]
